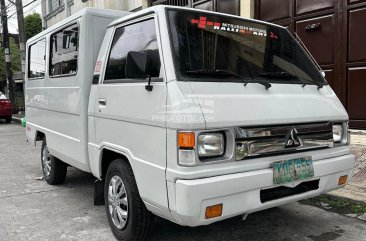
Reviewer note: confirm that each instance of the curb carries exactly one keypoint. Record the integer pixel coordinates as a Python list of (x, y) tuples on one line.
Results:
[(357, 132), (351, 191), (17, 119)]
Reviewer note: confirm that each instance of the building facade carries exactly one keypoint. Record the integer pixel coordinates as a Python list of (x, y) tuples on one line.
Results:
[(54, 11)]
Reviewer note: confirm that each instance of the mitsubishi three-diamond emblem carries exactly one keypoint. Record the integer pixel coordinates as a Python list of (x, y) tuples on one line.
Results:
[(292, 140)]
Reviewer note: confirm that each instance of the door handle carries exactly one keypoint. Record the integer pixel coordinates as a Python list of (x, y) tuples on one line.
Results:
[(102, 102), (312, 27)]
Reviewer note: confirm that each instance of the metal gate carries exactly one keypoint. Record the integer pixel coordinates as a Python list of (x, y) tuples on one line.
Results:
[(334, 31)]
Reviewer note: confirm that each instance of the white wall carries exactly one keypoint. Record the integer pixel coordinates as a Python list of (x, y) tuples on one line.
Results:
[(247, 8), (55, 19), (125, 5)]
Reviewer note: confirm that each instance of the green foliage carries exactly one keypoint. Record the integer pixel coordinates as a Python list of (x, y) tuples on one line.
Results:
[(32, 25), (15, 59), (337, 204), (15, 56)]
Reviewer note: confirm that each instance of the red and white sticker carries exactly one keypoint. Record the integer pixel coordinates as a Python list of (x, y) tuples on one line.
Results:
[(202, 22)]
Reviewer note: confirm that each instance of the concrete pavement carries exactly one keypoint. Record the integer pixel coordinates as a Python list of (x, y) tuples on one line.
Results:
[(32, 210), (356, 190)]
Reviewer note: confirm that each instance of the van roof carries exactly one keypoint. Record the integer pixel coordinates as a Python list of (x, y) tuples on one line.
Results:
[(162, 8), (83, 12)]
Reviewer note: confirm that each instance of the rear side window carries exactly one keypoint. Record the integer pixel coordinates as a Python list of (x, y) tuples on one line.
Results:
[(140, 36), (37, 60), (64, 51)]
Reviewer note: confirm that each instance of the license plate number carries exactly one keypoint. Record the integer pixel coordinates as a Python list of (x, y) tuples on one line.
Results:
[(292, 170)]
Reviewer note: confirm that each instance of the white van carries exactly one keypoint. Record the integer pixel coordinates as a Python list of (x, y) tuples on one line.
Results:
[(190, 115)]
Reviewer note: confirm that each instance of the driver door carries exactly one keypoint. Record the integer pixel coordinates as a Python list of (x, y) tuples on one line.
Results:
[(127, 115)]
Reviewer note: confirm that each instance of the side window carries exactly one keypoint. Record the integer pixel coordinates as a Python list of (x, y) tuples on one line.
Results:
[(37, 60), (140, 36), (64, 51)]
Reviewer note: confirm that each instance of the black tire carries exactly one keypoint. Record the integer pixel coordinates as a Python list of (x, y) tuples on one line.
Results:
[(139, 219), (8, 119), (58, 169)]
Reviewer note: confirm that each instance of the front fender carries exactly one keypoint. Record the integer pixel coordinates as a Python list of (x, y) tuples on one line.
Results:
[(150, 178)]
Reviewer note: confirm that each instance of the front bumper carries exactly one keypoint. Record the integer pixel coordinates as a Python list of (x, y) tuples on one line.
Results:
[(240, 193)]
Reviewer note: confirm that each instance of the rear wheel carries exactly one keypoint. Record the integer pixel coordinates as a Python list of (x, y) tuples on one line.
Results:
[(127, 215), (8, 119), (54, 170)]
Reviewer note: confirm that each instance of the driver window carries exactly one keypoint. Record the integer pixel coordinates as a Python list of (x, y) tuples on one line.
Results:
[(138, 37)]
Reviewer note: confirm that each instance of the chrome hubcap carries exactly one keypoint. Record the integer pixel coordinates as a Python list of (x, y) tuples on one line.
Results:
[(117, 202), (46, 160)]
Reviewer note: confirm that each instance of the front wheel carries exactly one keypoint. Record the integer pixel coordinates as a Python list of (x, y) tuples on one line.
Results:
[(127, 215), (54, 170)]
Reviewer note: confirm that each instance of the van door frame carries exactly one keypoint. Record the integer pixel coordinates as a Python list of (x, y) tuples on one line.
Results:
[(146, 16)]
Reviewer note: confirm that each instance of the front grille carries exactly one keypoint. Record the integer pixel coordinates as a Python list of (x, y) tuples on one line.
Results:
[(282, 192), (278, 140)]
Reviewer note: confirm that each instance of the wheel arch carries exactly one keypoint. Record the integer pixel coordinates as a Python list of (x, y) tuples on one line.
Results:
[(38, 136), (145, 174), (107, 156)]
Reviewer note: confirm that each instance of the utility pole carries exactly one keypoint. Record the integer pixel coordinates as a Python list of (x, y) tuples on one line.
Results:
[(6, 45), (21, 30)]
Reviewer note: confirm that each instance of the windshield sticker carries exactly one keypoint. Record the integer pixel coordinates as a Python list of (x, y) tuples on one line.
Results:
[(228, 27), (272, 35)]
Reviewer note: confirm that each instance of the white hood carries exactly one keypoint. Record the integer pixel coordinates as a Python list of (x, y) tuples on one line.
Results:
[(233, 104)]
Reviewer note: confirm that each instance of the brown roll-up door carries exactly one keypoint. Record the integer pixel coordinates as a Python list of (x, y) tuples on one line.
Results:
[(318, 36), (335, 32)]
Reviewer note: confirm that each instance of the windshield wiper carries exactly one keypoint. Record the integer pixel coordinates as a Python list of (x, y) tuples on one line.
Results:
[(222, 71), (286, 75), (279, 75)]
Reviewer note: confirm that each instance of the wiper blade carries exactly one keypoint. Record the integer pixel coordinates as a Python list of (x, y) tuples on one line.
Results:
[(222, 71), (317, 84), (279, 75), (267, 85), (286, 75)]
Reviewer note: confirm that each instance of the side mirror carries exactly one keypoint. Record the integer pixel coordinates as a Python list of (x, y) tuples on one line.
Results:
[(140, 65), (136, 64)]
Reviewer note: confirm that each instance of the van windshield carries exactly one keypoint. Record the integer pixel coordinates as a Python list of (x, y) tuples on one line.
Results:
[(212, 47)]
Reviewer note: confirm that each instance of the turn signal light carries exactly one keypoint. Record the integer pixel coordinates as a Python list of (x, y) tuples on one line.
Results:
[(186, 139), (342, 180), (213, 211)]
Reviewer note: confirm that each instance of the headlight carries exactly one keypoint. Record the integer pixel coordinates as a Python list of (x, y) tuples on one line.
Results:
[(338, 132), (211, 145)]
